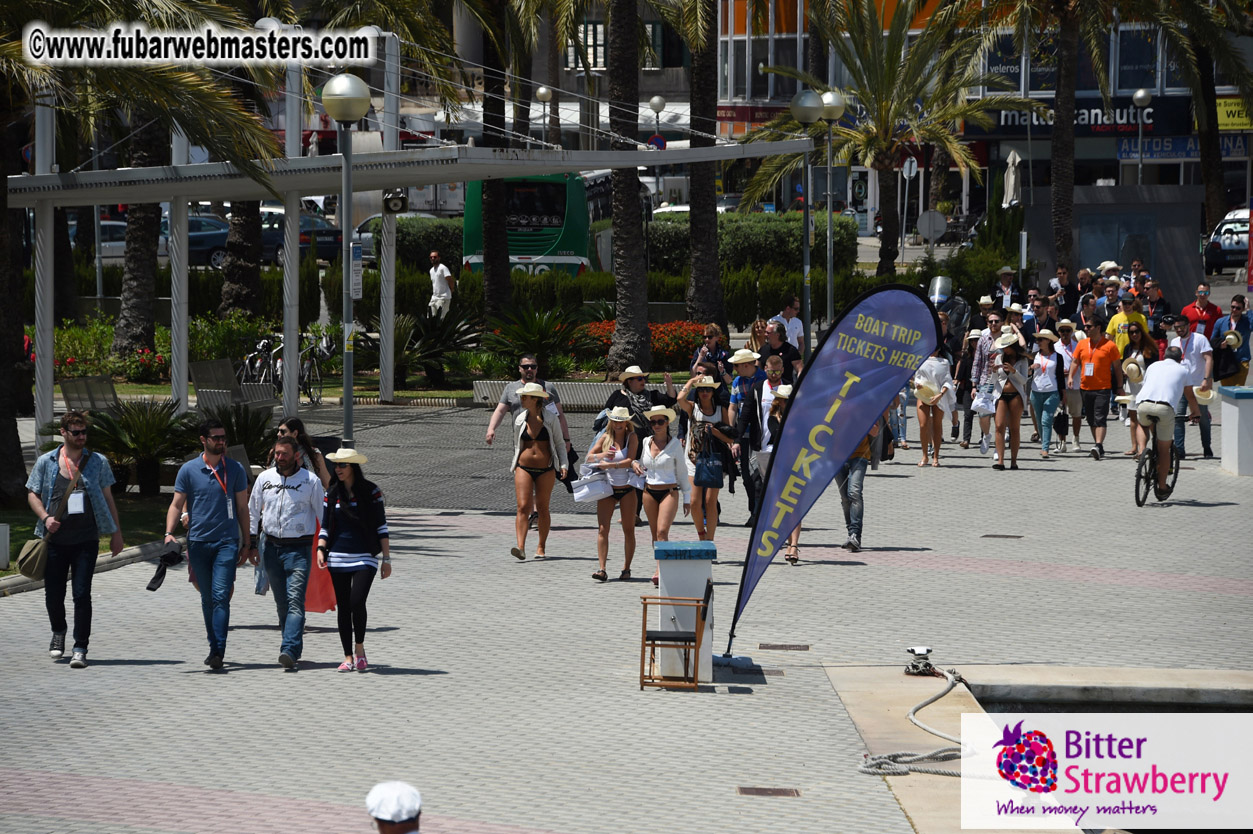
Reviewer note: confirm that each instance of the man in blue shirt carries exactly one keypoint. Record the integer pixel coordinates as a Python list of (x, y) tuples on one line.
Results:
[(214, 491)]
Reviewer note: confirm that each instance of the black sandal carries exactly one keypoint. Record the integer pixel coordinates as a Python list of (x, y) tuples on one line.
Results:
[(600, 576), (625, 576), (795, 556)]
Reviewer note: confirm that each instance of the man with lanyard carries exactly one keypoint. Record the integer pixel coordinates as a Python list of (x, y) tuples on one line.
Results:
[(1065, 292), (1156, 308), (1006, 291), (1072, 401), (1162, 387), (511, 404), (1096, 364), (214, 490), (1198, 359), (747, 376), (74, 540), (755, 408), (1239, 323), (981, 372), (442, 284), (287, 504), (1201, 314), (778, 345), (789, 317)]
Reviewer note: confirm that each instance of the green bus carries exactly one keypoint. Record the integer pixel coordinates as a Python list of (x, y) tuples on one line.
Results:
[(548, 221)]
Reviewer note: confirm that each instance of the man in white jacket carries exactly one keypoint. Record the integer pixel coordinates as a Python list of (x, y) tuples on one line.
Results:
[(286, 503)]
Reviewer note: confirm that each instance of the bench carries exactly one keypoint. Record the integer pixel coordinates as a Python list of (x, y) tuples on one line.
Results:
[(218, 376), (90, 393), (575, 396)]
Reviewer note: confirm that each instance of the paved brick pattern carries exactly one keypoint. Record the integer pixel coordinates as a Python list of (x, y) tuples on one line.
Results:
[(507, 691)]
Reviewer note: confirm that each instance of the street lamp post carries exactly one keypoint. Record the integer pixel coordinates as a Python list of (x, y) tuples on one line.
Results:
[(806, 108), (346, 99), (657, 104), (832, 110), (544, 95), (1142, 98)]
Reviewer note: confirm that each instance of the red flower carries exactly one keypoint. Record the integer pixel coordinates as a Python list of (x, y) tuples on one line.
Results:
[(160, 358), (70, 360)]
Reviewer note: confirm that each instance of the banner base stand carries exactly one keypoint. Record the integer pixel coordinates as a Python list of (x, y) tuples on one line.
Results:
[(735, 661)]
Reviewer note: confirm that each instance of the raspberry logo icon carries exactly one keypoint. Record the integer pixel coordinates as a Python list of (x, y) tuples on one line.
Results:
[(1028, 760)]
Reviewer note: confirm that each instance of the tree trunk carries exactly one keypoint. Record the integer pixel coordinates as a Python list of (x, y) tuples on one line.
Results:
[(556, 47), (631, 342), (15, 370), (1211, 154), (704, 289), (64, 276), (135, 323), (241, 274), (1063, 153), (496, 291), (940, 163), (890, 238), (522, 95)]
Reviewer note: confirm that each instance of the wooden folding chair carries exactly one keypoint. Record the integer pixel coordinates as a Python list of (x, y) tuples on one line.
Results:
[(688, 642)]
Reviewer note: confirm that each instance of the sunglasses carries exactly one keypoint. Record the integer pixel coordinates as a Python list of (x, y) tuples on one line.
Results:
[(1066, 330), (660, 421), (1202, 292), (339, 465), (220, 438), (281, 430), (1135, 331), (529, 367), (76, 432), (774, 373)]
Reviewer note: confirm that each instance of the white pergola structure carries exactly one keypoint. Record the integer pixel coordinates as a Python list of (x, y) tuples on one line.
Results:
[(294, 177)]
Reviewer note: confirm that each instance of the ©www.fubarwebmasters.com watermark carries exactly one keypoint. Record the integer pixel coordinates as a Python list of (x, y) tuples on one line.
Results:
[(133, 44), (1105, 770)]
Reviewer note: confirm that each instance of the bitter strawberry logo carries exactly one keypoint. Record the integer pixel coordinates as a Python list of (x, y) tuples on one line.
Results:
[(1027, 760)]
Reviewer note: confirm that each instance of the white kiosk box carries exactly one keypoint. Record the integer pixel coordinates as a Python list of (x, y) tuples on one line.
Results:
[(685, 567), (1237, 424)]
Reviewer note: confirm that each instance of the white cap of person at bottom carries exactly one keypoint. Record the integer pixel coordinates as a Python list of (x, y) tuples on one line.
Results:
[(393, 801)]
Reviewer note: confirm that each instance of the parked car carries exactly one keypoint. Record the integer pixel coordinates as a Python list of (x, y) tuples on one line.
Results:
[(206, 240), (1228, 246), (369, 227), (683, 208), (112, 240), (312, 228)]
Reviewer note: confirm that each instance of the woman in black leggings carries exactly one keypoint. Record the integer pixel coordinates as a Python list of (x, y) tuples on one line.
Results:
[(354, 533)]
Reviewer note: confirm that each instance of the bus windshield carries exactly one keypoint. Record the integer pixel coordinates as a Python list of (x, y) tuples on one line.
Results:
[(534, 206)]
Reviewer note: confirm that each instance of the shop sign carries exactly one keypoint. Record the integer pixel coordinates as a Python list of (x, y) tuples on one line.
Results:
[(1165, 148), (1167, 115), (1232, 115)]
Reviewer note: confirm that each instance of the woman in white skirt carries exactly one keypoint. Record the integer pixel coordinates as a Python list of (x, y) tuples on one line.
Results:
[(937, 395)]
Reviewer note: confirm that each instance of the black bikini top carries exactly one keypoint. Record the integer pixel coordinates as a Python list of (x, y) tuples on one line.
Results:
[(526, 434)]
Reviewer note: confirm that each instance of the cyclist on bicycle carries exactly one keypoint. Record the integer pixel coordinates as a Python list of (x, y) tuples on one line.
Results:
[(1162, 388)]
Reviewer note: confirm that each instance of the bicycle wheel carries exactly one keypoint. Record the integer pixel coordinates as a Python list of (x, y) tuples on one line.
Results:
[(313, 384), (1174, 465), (1146, 477)]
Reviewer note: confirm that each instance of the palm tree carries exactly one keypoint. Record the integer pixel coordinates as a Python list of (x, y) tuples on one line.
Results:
[(896, 98), (631, 344)]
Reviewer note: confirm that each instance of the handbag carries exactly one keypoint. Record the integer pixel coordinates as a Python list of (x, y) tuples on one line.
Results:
[(33, 560), (708, 467), (592, 488), (1061, 424), (984, 403)]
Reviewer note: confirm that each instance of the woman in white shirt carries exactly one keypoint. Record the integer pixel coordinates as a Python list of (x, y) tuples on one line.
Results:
[(614, 452), (936, 392), (1048, 380), (663, 464), (1010, 388)]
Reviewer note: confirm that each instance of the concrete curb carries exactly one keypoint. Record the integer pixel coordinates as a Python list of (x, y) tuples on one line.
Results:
[(17, 583), (417, 402)]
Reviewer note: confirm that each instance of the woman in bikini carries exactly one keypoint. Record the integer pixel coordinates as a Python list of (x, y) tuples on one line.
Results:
[(537, 457), (704, 414), (661, 464), (614, 453), (1010, 380)]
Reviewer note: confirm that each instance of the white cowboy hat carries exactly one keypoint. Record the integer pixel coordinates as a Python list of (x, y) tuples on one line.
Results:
[(532, 389), (1108, 265), (1046, 334), (1133, 369), (706, 382), (1005, 269), (346, 455), (925, 392), (1124, 399), (660, 411), (1205, 397), (1065, 323), (631, 372), (1113, 281), (974, 334), (620, 414), (1007, 340), (744, 355), (1233, 339), (1014, 308), (985, 301), (783, 392)]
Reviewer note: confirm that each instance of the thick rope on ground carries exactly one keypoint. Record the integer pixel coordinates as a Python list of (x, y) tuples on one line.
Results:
[(905, 762)]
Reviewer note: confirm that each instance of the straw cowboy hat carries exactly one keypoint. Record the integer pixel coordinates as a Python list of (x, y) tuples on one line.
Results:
[(1233, 339), (532, 389), (985, 301), (660, 411), (1014, 308), (620, 414), (631, 372), (1106, 266), (1065, 323), (1046, 334), (706, 382), (1133, 369), (346, 455), (1007, 340), (1205, 397), (925, 392), (783, 392), (1005, 270), (974, 334), (1124, 399), (744, 355)]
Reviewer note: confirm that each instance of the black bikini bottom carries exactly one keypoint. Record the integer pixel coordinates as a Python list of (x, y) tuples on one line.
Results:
[(659, 494), (620, 492), (534, 471), (1008, 396)]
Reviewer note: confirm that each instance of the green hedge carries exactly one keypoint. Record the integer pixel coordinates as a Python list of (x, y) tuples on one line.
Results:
[(417, 236), (757, 239)]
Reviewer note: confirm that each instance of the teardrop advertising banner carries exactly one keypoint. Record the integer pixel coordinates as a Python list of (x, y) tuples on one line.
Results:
[(860, 365)]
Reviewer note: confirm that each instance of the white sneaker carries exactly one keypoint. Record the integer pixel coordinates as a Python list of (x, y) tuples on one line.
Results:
[(1126, 421), (853, 544), (1078, 446), (1061, 447), (984, 443)]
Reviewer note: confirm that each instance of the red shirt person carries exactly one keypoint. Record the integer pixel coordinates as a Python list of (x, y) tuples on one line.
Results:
[(1201, 314)]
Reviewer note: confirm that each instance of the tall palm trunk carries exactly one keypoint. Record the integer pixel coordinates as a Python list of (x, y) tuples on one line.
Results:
[(241, 274), (1063, 155), (631, 345), (15, 370), (522, 95), (704, 289), (135, 323), (553, 69), (64, 277), (891, 218), (496, 289), (1211, 154)]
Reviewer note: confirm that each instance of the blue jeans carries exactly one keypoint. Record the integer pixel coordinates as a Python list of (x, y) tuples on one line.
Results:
[(214, 566), (79, 559), (898, 418), (1045, 403), (849, 480), (287, 567), (1181, 415)]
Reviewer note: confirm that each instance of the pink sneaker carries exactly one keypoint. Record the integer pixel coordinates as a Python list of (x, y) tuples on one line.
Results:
[(346, 666), (361, 664)]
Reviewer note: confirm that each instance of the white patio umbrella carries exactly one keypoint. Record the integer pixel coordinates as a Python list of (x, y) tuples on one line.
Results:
[(1013, 181)]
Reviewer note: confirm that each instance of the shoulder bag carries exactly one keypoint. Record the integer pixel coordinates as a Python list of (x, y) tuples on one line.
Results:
[(708, 465), (33, 559)]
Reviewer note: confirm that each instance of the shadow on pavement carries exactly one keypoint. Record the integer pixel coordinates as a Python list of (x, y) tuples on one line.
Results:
[(118, 661), (397, 670)]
